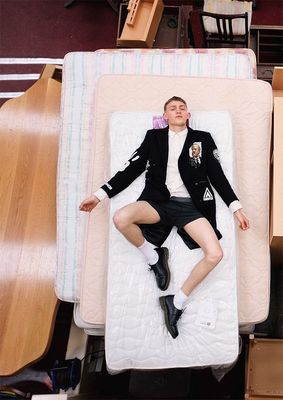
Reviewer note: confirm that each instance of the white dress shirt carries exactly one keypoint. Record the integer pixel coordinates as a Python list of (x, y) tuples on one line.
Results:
[(174, 181)]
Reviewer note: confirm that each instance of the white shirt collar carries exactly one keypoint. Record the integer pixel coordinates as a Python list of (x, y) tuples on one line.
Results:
[(181, 133)]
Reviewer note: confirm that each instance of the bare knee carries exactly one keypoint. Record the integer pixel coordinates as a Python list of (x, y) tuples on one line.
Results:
[(121, 219), (214, 257)]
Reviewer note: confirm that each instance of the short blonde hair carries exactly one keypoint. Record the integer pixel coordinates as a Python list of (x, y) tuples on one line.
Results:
[(174, 98)]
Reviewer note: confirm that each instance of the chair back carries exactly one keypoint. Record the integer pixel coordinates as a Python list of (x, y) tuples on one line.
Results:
[(224, 31)]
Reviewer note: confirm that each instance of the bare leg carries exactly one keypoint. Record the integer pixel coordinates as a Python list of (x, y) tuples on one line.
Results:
[(126, 219), (202, 232)]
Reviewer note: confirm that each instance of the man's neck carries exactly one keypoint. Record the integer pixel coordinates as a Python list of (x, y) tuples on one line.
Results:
[(176, 128)]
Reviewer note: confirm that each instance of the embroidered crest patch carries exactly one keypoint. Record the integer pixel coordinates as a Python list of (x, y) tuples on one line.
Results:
[(195, 153)]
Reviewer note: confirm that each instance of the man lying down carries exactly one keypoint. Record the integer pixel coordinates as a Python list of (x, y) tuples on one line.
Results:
[(181, 164)]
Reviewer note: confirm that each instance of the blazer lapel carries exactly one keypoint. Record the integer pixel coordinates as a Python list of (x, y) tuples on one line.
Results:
[(163, 144), (189, 141)]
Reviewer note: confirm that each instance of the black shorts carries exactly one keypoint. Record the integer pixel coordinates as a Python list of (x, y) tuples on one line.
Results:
[(177, 211)]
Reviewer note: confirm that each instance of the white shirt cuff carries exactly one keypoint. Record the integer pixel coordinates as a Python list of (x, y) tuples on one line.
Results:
[(235, 206), (100, 194)]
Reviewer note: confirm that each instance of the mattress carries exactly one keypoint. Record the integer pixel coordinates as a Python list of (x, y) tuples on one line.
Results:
[(90, 329), (81, 70), (249, 103), (136, 336)]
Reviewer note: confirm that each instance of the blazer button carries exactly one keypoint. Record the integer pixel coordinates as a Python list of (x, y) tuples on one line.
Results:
[(196, 183)]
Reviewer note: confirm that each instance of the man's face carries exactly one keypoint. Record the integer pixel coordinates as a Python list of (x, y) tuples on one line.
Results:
[(177, 114), (195, 150)]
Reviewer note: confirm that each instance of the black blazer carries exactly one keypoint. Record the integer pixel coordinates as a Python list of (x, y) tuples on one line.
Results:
[(197, 175)]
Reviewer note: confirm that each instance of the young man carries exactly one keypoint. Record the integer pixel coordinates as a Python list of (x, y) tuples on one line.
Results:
[(181, 164)]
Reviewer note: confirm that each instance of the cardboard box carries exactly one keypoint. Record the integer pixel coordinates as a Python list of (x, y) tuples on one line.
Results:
[(264, 371), (141, 24)]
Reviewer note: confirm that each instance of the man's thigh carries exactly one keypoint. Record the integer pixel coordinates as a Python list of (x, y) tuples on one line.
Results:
[(202, 233), (140, 212)]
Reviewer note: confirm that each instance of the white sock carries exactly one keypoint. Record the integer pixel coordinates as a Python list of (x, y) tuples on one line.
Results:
[(149, 252), (180, 299)]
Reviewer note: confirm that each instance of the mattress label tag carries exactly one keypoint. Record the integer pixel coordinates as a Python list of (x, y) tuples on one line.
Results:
[(207, 314)]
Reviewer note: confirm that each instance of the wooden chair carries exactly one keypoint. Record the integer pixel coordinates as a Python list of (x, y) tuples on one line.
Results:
[(224, 32)]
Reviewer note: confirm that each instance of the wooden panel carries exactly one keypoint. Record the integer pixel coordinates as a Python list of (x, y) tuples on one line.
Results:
[(276, 223), (264, 369), (29, 128), (277, 80)]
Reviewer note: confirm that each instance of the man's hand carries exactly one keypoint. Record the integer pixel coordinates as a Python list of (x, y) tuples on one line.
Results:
[(89, 203), (243, 220)]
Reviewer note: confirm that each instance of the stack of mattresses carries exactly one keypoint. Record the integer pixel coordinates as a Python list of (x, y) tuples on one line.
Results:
[(84, 163)]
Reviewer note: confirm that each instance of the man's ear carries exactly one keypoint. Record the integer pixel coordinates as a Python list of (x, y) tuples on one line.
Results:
[(189, 116), (165, 116)]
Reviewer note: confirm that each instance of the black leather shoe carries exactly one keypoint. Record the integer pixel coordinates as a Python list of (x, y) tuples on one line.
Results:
[(161, 269), (171, 313)]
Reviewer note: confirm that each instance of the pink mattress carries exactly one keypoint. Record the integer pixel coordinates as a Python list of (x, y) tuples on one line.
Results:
[(249, 103)]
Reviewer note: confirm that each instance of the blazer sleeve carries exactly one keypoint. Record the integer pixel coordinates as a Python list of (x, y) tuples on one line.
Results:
[(216, 174), (133, 168)]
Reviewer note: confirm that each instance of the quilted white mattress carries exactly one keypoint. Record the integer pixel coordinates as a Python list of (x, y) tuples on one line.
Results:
[(136, 336)]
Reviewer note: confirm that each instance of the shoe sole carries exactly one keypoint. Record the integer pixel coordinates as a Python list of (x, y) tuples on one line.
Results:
[(164, 308), (166, 254)]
